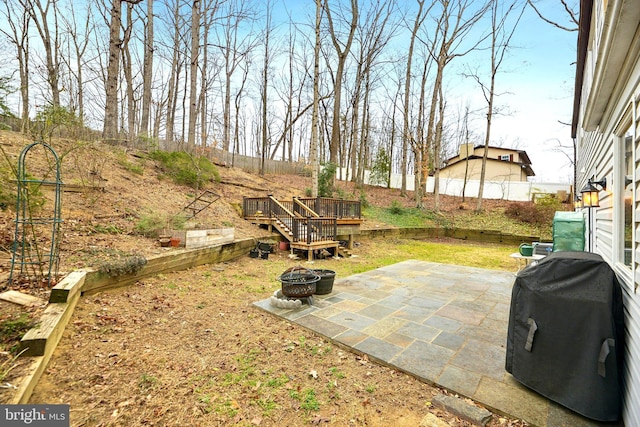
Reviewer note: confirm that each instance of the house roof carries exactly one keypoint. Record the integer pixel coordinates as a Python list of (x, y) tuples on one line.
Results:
[(616, 36), (523, 154), (526, 166), (584, 27)]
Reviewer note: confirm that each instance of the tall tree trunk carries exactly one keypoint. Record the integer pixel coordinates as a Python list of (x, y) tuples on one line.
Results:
[(407, 92), (342, 53), (264, 95), (110, 128), (207, 18), (421, 181), (147, 72), (173, 77), (128, 75), (313, 150), (193, 73), (436, 152), (51, 43), (500, 42)]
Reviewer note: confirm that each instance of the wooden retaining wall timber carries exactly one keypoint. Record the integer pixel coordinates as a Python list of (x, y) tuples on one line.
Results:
[(480, 236), (40, 342), (174, 261)]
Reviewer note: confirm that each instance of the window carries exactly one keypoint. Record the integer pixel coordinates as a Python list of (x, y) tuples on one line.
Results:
[(505, 157), (622, 190), (626, 183)]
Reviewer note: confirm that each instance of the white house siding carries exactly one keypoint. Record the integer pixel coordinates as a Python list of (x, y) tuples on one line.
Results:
[(598, 158)]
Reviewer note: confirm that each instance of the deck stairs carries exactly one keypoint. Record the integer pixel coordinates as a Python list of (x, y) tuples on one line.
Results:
[(200, 203), (344, 252)]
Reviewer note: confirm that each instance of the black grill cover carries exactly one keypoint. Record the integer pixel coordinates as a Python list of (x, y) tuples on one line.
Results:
[(566, 333)]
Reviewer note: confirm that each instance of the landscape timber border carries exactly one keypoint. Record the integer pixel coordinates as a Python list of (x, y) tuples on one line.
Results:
[(40, 342)]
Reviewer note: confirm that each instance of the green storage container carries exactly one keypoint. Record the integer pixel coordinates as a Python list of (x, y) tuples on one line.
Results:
[(568, 231)]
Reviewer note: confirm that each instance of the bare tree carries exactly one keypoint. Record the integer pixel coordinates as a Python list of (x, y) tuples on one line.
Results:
[(456, 20), (342, 51), (572, 10), (374, 33), (127, 67), (210, 9), (265, 83), (42, 14), (18, 34), (80, 41), (420, 17), (177, 61), (235, 46), (315, 131), (147, 70), (193, 72), (502, 30), (110, 128)]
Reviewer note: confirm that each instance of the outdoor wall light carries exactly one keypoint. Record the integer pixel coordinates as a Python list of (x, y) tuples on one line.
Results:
[(577, 203), (590, 193)]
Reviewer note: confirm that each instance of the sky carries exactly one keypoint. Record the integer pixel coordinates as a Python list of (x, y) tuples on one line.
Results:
[(538, 82)]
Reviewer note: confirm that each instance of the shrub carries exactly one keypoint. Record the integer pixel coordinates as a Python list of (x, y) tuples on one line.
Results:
[(126, 264), (51, 118), (186, 169), (326, 180), (396, 208), (381, 168), (364, 203), (153, 224), (532, 213)]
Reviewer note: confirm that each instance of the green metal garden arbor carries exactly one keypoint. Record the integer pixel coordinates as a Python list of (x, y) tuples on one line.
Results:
[(37, 235)]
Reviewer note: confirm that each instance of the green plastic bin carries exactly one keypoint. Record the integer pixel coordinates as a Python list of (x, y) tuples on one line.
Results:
[(568, 231)]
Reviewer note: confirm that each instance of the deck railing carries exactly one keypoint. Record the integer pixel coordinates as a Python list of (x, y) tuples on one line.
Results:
[(329, 207), (309, 219), (310, 230)]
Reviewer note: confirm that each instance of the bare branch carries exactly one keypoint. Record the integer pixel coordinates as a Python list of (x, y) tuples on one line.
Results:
[(572, 16)]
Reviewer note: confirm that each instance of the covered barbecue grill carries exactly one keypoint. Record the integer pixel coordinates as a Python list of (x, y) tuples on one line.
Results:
[(566, 333)]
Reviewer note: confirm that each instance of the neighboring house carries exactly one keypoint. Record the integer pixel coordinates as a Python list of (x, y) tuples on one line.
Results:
[(605, 127), (503, 164)]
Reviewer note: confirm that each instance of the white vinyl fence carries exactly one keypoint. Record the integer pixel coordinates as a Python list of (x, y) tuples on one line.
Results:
[(501, 190)]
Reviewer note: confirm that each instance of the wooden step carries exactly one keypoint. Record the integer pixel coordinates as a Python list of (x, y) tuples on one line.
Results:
[(344, 252)]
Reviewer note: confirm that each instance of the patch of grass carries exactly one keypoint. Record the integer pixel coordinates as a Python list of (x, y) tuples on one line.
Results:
[(497, 220), (8, 365), (205, 401), (147, 381), (230, 408), (137, 169), (336, 372), (13, 327), (185, 169), (307, 398), (402, 217), (107, 229), (278, 382), (267, 405), (370, 388)]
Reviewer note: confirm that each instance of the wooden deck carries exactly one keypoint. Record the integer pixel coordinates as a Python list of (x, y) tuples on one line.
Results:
[(308, 224)]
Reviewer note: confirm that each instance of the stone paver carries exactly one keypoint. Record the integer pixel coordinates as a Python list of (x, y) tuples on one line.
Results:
[(445, 324), (465, 410)]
